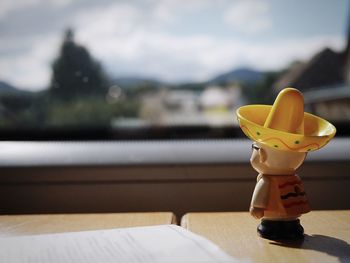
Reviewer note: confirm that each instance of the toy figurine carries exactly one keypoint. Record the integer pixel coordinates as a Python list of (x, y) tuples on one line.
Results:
[(283, 135)]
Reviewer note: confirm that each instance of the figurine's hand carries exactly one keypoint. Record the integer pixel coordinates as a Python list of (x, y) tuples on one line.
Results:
[(257, 212)]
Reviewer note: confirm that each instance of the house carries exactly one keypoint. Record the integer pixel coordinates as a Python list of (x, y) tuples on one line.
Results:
[(325, 82), (325, 69)]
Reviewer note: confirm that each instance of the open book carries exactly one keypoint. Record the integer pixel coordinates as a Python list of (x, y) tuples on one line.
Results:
[(164, 243)]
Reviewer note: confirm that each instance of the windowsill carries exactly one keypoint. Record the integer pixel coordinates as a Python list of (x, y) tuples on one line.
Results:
[(141, 153), (179, 176)]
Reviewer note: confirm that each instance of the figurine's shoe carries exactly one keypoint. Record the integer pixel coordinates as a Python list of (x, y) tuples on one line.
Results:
[(279, 230)]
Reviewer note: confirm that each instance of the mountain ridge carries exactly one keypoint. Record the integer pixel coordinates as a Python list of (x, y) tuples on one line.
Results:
[(240, 75), (246, 75)]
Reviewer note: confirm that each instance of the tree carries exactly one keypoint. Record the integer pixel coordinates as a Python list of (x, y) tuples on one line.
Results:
[(75, 73)]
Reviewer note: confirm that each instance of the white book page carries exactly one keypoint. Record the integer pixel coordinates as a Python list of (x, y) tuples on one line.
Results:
[(165, 243)]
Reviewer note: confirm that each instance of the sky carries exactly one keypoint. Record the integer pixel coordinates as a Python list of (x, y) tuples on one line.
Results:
[(170, 40)]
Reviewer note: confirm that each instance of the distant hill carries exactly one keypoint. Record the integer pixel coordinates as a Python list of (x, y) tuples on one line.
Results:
[(6, 88), (241, 75)]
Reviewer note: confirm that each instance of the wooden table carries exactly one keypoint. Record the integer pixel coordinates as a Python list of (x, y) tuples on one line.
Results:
[(327, 237), (15, 225)]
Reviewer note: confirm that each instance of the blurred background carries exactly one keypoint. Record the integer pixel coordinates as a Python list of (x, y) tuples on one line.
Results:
[(106, 69)]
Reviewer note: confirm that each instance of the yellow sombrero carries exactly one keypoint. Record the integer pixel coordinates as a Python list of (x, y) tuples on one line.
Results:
[(285, 125)]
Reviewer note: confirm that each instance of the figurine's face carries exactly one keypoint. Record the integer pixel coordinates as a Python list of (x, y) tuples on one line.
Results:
[(267, 160)]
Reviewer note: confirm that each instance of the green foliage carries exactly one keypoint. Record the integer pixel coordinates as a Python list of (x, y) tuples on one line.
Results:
[(196, 87), (76, 73), (14, 110), (89, 112), (40, 111), (76, 96), (140, 89)]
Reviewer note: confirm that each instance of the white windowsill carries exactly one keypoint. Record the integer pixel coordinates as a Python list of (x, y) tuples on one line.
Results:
[(134, 153)]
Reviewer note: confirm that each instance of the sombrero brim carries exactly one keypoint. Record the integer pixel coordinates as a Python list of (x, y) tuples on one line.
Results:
[(317, 131)]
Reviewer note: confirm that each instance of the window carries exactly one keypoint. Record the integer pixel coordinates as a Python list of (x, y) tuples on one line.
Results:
[(165, 69)]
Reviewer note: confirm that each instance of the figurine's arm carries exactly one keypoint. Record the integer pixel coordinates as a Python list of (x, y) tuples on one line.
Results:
[(260, 197)]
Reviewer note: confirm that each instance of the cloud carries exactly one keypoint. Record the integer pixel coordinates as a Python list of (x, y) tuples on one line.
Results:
[(249, 16), (8, 6), (31, 69), (132, 38), (128, 42), (175, 58)]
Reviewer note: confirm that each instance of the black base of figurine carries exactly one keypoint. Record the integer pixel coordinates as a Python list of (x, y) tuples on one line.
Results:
[(281, 230)]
